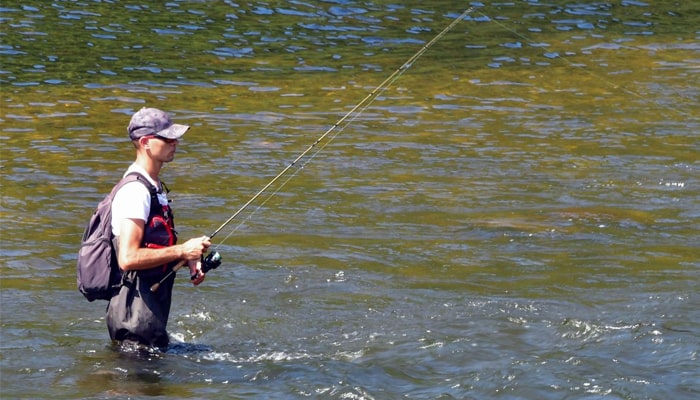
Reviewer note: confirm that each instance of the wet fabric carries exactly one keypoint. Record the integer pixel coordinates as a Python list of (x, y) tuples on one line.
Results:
[(139, 315)]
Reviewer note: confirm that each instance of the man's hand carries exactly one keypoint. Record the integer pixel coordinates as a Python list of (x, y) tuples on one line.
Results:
[(196, 274), (195, 247)]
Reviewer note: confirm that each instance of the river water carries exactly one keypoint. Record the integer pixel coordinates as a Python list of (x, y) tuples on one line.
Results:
[(515, 217)]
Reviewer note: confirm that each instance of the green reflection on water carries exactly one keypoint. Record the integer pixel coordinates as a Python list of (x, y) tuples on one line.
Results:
[(487, 131)]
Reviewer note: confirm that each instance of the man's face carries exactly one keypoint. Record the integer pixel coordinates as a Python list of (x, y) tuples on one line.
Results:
[(161, 149)]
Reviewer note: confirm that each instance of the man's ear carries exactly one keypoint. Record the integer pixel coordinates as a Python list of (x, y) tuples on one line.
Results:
[(143, 142)]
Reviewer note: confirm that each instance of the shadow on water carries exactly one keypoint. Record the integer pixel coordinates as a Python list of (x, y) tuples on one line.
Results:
[(180, 372), (125, 371)]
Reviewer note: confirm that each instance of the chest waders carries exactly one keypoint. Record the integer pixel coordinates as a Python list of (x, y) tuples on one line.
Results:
[(137, 314)]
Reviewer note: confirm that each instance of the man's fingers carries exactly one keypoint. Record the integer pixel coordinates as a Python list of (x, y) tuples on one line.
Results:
[(197, 278)]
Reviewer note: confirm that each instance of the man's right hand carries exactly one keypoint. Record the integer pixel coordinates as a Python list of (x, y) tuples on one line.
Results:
[(195, 247)]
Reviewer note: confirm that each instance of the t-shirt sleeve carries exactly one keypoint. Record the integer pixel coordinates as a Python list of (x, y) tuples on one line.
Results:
[(132, 201)]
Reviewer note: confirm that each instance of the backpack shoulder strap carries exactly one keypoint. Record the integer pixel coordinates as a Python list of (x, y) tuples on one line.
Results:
[(137, 176), (132, 177)]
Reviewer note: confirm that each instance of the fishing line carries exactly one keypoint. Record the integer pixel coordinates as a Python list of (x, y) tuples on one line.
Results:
[(338, 127), (213, 259)]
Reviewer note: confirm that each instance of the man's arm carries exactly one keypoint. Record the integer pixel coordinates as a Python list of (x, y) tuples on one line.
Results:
[(134, 257)]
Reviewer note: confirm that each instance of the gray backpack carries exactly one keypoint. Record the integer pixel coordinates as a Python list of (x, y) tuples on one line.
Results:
[(99, 275)]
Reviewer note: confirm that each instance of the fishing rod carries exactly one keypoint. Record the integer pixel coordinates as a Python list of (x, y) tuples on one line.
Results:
[(213, 259)]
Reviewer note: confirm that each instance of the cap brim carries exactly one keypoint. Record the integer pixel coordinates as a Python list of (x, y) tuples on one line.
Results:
[(175, 131)]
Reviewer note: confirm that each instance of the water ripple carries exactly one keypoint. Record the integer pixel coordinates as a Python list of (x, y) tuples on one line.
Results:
[(513, 217)]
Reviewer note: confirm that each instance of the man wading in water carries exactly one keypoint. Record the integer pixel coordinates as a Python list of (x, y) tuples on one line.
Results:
[(142, 223)]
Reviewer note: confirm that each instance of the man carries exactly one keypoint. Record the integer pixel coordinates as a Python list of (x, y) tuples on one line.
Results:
[(145, 237)]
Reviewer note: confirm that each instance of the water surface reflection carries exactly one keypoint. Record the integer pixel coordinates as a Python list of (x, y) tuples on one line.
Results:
[(514, 217)]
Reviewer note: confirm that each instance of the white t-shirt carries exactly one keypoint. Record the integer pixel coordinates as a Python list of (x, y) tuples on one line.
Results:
[(133, 200)]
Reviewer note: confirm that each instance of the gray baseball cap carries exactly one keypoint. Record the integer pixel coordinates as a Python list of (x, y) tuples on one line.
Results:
[(152, 121)]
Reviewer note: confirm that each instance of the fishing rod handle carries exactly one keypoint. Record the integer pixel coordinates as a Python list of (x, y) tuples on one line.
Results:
[(156, 286)]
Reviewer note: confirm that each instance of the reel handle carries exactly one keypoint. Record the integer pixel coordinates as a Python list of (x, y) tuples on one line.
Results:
[(211, 261)]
